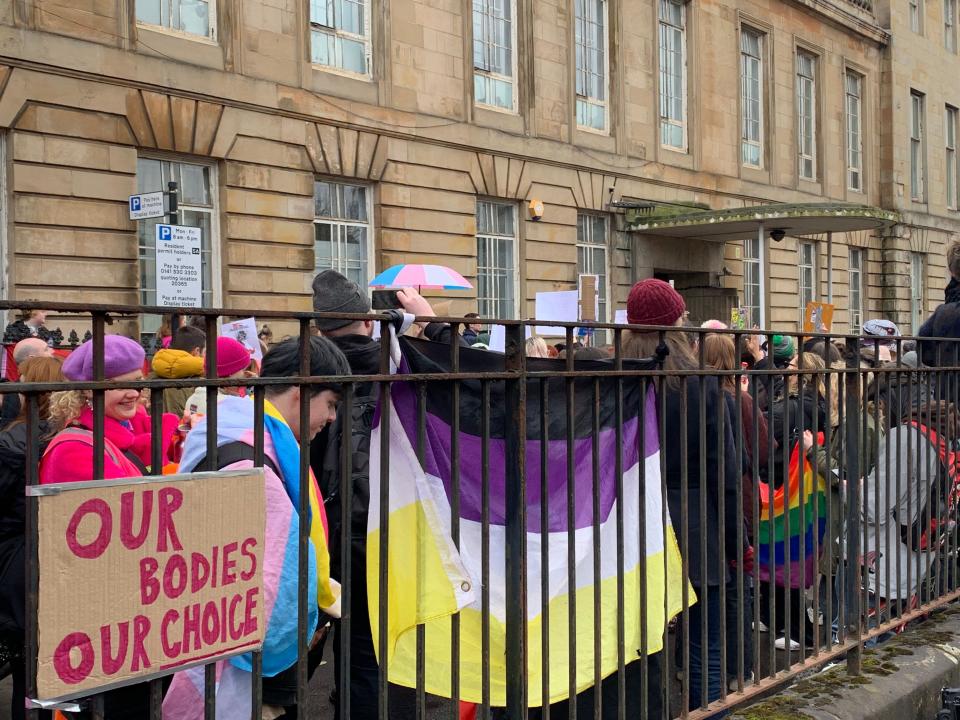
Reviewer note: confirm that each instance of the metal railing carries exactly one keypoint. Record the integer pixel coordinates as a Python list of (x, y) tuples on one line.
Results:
[(590, 469)]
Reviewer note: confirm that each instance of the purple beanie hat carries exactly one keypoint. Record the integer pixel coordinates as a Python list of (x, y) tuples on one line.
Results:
[(121, 355)]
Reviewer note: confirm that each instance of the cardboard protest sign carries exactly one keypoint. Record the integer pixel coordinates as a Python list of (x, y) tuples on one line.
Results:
[(818, 317), (143, 577), (738, 318), (245, 332), (589, 300), (620, 317)]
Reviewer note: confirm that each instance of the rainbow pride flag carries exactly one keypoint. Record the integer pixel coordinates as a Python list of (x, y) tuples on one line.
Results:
[(793, 519)]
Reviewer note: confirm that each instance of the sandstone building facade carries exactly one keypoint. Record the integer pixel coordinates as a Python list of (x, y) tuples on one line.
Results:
[(362, 133)]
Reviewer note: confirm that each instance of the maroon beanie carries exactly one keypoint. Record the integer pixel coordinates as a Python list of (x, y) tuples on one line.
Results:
[(654, 302)]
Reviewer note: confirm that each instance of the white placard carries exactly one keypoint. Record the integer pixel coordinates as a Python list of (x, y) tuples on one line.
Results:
[(179, 275), (146, 205), (620, 317), (245, 332), (560, 306), (498, 338)]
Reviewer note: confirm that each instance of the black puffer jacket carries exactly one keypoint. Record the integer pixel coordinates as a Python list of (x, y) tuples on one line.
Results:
[(789, 419)]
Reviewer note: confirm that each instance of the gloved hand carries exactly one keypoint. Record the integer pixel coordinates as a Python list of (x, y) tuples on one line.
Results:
[(745, 562)]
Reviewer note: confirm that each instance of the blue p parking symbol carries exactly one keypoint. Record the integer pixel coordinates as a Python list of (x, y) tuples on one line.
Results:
[(135, 203), (166, 232)]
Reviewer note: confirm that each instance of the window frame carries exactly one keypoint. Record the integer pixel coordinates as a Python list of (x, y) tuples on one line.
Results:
[(801, 81), (813, 265), (215, 243), (338, 34), (918, 290), (950, 25), (513, 78), (951, 130), (369, 259), (751, 288), (854, 171), (856, 313), (592, 244), (760, 143), (211, 36), (918, 160), (665, 121), (915, 12), (584, 99), (513, 272)]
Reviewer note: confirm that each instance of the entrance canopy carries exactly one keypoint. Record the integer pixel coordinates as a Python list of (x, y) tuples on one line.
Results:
[(740, 224)]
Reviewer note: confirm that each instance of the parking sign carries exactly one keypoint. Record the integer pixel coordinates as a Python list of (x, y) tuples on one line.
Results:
[(146, 205), (179, 266)]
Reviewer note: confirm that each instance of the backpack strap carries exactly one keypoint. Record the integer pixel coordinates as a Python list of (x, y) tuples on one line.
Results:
[(231, 453)]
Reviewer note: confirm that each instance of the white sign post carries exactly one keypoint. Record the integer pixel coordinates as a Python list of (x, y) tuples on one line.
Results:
[(179, 269), (146, 205)]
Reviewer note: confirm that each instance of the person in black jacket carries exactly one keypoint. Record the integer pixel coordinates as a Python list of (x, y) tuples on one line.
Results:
[(13, 472), (332, 292), (696, 481)]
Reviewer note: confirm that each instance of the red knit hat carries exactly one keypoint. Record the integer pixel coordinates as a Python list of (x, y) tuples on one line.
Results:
[(654, 302), (232, 357)]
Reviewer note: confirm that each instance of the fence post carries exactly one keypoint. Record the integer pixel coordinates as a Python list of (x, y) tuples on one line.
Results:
[(516, 546), (853, 610)]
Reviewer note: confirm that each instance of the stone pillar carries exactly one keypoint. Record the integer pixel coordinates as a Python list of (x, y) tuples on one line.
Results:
[(895, 252)]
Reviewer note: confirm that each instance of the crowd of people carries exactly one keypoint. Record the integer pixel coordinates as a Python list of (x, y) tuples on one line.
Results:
[(735, 427)]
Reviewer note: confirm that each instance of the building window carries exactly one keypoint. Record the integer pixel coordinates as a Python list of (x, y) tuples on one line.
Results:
[(591, 41), (952, 169), (916, 15), (807, 115), (196, 17), (854, 93), (592, 255), (918, 179), (673, 74), (494, 66), (855, 277), (807, 260), (497, 274), (197, 206), (751, 97), (340, 34), (752, 292), (950, 25), (918, 268), (341, 227)]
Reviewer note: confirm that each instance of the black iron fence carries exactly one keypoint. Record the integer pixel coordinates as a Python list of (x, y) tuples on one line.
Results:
[(666, 530)]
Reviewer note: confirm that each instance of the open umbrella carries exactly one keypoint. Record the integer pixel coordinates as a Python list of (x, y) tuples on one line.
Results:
[(430, 277)]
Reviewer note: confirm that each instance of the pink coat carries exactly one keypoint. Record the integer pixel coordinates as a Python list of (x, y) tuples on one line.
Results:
[(69, 457)]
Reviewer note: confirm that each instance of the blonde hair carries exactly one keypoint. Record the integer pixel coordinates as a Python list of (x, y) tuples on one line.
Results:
[(537, 348), (66, 406)]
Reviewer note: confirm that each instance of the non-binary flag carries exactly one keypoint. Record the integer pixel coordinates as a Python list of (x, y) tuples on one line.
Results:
[(429, 579)]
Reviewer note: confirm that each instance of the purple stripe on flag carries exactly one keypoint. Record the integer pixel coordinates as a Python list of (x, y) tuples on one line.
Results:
[(437, 462)]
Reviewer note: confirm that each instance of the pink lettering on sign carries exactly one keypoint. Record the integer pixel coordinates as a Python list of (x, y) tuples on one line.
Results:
[(109, 662), (94, 507), (65, 668), (132, 540), (149, 585), (171, 499)]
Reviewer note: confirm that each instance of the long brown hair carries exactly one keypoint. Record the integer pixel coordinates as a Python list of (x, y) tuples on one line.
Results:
[(720, 353), (643, 345), (940, 416), (39, 370)]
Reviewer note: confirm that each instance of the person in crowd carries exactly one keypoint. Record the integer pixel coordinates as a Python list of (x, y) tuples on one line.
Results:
[(537, 347), (591, 353), (22, 351), (283, 436), (127, 441), (654, 302), (181, 361), (473, 332), (13, 473), (901, 540), (31, 323), (234, 362), (945, 320), (720, 354), (951, 293), (878, 344), (780, 352), (797, 419), (164, 335), (69, 454), (332, 292)]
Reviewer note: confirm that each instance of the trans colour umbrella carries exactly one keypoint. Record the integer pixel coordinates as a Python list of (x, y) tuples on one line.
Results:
[(431, 277)]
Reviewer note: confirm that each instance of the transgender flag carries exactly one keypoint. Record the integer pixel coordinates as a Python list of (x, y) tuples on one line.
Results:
[(429, 579)]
